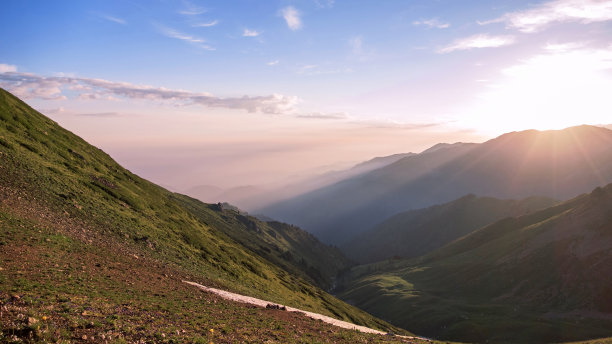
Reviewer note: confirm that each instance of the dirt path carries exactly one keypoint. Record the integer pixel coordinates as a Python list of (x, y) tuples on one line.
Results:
[(262, 303)]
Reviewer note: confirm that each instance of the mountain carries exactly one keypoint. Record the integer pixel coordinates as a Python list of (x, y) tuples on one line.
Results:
[(253, 198), (417, 232), (339, 211), (558, 163), (88, 248), (538, 278)]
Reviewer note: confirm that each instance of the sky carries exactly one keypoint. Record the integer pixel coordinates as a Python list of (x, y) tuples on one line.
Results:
[(251, 92)]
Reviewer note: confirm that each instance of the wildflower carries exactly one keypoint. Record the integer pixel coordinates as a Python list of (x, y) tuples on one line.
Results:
[(44, 317), (212, 331)]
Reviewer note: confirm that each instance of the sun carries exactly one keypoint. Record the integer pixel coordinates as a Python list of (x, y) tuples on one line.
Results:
[(554, 90)]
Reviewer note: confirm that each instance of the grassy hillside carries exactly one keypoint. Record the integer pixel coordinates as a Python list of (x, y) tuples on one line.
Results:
[(59, 191), (417, 232), (287, 246), (542, 277), (560, 164)]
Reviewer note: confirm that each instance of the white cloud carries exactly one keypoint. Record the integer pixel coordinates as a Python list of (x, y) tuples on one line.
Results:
[(292, 17), (478, 41), (5, 68), (273, 63), (206, 24), (250, 33), (537, 18), (172, 33), (431, 23), (27, 85), (113, 19)]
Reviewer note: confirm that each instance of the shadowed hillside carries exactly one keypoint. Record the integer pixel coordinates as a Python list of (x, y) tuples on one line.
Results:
[(542, 277), (337, 212), (417, 232)]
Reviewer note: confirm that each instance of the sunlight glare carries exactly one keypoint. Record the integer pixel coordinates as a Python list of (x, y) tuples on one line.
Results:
[(554, 90)]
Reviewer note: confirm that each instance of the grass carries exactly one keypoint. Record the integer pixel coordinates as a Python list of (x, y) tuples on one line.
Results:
[(72, 290), (517, 280), (86, 204)]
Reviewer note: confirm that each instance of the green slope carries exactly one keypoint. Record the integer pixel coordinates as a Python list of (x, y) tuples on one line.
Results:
[(287, 246), (417, 232), (58, 171), (542, 277)]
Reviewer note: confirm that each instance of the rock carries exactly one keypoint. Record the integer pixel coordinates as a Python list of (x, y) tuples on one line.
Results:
[(32, 321), (273, 306), (84, 337)]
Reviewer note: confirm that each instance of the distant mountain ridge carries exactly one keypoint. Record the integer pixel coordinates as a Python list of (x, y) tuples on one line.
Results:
[(559, 164), (417, 232), (251, 197)]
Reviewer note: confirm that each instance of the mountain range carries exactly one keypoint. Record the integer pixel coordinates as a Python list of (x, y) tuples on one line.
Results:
[(559, 164), (253, 198)]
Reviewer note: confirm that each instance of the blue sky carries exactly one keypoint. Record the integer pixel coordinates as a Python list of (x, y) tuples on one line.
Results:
[(331, 82)]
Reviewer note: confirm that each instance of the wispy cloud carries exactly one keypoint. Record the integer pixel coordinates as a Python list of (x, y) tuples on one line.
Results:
[(206, 24), (312, 69), (431, 23), (537, 18), (250, 33), (190, 9), (356, 44), (477, 42), (113, 19), (197, 41), (359, 50), (324, 115), (98, 114), (293, 17), (5, 68), (27, 85), (563, 47), (306, 68), (324, 3), (273, 63)]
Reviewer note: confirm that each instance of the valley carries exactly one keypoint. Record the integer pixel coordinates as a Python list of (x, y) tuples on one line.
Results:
[(93, 252)]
